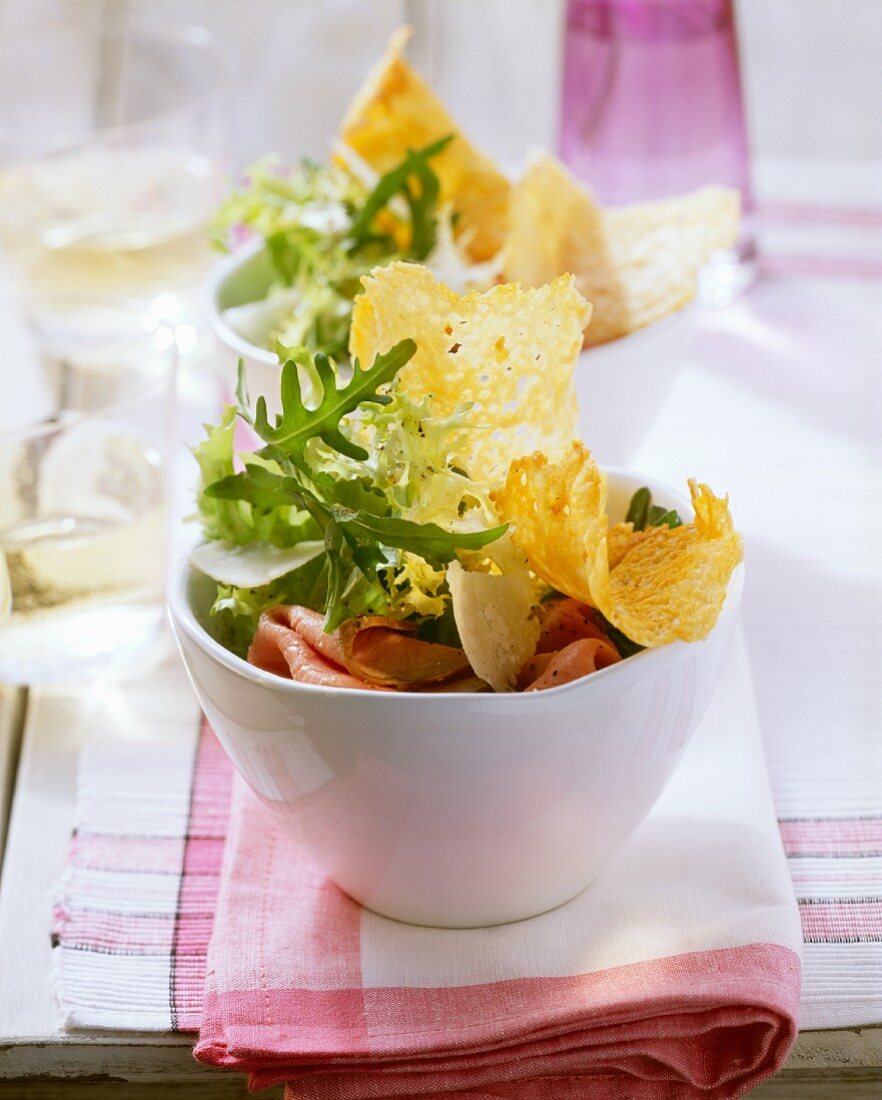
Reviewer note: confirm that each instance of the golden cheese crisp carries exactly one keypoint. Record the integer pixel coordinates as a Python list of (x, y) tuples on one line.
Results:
[(672, 584), (635, 264), (621, 538), (558, 516), (656, 586), (510, 352), (394, 111)]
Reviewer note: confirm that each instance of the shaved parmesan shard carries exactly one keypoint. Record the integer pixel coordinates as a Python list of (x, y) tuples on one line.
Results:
[(252, 565), (497, 622)]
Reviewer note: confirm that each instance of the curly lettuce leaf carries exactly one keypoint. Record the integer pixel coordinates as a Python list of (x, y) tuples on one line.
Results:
[(241, 521), (323, 230), (235, 612)]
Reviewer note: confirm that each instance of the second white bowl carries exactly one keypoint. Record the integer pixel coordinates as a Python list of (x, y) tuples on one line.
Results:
[(620, 386)]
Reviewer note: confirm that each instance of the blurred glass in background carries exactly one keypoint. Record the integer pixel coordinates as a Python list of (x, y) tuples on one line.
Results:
[(652, 106), (111, 144), (652, 102), (86, 429)]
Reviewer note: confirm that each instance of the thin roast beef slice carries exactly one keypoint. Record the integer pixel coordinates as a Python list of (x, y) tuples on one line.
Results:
[(565, 620), (278, 647), (574, 661), (387, 653)]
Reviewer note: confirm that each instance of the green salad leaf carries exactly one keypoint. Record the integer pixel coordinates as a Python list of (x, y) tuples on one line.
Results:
[(313, 478), (264, 490), (297, 424), (643, 513), (323, 230), (235, 520), (422, 200), (235, 611)]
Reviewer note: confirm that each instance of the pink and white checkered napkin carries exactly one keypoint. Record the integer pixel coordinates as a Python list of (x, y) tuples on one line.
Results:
[(135, 907), (676, 974)]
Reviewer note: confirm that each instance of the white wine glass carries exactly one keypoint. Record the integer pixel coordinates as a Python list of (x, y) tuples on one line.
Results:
[(87, 422), (112, 142)]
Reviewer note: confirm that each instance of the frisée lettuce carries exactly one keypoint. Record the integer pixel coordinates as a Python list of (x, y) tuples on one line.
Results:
[(357, 477), (324, 228)]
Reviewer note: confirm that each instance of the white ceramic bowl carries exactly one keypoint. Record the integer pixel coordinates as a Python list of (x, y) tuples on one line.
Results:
[(242, 277), (620, 385), (460, 810)]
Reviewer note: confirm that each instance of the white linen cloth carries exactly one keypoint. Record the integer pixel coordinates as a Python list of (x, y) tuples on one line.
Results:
[(780, 404)]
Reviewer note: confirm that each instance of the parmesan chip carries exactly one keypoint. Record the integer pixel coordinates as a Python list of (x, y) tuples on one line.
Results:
[(496, 619), (621, 538), (558, 516), (509, 351), (656, 586), (672, 584), (395, 111), (635, 264)]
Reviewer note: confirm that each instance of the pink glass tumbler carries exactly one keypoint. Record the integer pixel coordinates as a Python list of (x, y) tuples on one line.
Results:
[(651, 102)]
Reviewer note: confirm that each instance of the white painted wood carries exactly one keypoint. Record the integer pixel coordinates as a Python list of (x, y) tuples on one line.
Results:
[(12, 701)]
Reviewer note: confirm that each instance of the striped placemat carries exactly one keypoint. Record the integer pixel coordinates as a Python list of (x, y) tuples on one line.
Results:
[(134, 911)]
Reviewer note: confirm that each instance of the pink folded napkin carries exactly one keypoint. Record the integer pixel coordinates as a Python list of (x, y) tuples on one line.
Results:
[(675, 974)]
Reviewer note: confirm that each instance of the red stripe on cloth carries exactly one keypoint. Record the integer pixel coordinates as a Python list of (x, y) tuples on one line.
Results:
[(160, 854), (837, 267), (254, 926), (842, 920), (832, 837), (117, 933), (710, 1023), (200, 878), (820, 213)]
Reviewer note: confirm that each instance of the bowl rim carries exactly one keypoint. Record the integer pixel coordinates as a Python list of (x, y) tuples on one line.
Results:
[(217, 276), (683, 317), (184, 621)]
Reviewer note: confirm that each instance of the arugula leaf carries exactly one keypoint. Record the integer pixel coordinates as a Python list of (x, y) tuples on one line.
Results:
[(638, 508), (643, 513), (297, 424), (663, 517), (428, 540), (422, 201), (264, 489), (621, 641)]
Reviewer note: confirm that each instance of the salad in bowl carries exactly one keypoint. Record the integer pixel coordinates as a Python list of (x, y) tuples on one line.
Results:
[(430, 523), (404, 183), (455, 656)]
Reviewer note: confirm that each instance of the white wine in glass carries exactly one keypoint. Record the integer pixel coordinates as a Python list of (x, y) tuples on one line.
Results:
[(110, 167)]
